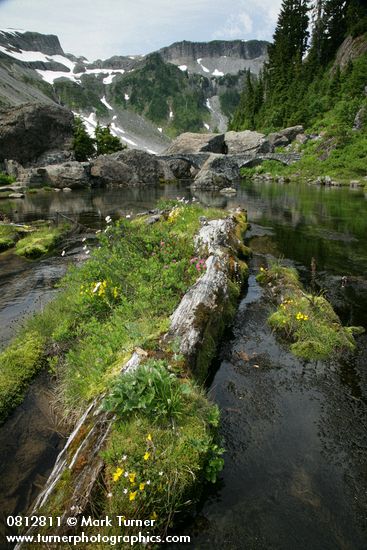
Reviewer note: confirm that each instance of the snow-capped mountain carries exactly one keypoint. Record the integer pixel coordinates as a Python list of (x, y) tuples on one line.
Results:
[(145, 99)]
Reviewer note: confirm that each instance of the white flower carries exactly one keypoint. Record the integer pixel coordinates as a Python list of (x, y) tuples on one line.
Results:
[(148, 482), (109, 495), (98, 231), (97, 287), (87, 251), (108, 219), (160, 474), (125, 491), (126, 474), (63, 253), (84, 239), (85, 247), (128, 216), (124, 457)]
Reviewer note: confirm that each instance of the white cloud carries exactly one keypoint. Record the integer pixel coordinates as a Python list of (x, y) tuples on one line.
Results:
[(236, 26), (101, 28)]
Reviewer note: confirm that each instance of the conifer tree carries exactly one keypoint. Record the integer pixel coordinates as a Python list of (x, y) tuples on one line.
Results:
[(107, 143), (83, 144)]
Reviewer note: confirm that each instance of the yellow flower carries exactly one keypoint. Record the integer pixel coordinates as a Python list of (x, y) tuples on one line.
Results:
[(305, 317), (149, 437), (132, 477), (118, 474), (132, 495), (262, 269), (141, 486), (146, 456), (153, 516)]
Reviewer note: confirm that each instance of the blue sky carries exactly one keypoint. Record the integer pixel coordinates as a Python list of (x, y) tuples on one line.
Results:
[(101, 28)]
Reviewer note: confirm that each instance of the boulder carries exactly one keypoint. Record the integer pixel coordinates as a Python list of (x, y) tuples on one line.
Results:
[(277, 139), (291, 132), (197, 143), (217, 172), (71, 175), (106, 170), (29, 130), (181, 168), (246, 142), (302, 139), (147, 168)]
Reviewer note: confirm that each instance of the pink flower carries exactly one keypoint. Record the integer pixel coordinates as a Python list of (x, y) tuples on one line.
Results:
[(165, 267), (162, 243), (174, 261), (198, 266)]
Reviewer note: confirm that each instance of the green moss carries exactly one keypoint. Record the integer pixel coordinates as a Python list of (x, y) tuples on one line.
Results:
[(21, 360), (39, 242), (5, 179), (307, 321)]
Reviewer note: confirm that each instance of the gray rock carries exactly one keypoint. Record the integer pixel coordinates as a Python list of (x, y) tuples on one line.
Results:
[(228, 191), (360, 119), (16, 196), (246, 142), (197, 143), (180, 168), (106, 170), (29, 130), (301, 139), (70, 175), (291, 132), (217, 172), (147, 168), (277, 139)]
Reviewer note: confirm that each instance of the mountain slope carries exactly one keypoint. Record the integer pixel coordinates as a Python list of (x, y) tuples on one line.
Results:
[(145, 99)]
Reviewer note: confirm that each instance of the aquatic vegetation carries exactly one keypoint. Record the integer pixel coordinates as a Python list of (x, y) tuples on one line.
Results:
[(20, 361), (5, 179), (39, 241), (306, 320)]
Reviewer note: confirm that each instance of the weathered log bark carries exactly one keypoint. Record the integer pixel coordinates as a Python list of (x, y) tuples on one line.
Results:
[(198, 323)]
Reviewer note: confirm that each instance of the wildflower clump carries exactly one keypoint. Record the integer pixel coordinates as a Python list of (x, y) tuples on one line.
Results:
[(156, 455), (306, 320)]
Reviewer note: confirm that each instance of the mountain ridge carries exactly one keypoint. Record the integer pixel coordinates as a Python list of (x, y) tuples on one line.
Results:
[(147, 99)]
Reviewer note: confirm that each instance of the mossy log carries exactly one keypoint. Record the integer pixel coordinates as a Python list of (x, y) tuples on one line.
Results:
[(198, 322)]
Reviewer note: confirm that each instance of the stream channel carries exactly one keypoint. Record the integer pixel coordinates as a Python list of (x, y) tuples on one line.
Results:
[(295, 474)]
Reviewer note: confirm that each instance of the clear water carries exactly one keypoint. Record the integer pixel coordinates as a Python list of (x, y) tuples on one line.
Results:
[(295, 472)]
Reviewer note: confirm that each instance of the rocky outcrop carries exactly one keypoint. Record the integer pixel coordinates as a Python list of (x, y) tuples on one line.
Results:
[(106, 170), (28, 131), (68, 175), (218, 56), (197, 143), (130, 167), (246, 142), (181, 168), (216, 173), (32, 41), (350, 49)]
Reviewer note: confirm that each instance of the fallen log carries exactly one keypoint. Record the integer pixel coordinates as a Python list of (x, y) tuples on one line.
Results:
[(198, 323)]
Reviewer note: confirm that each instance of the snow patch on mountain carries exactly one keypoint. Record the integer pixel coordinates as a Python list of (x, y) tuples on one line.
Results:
[(183, 67), (205, 69), (105, 102), (217, 73)]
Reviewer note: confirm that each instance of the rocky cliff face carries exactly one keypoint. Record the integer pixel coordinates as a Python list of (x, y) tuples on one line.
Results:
[(218, 57), (29, 131), (31, 41)]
